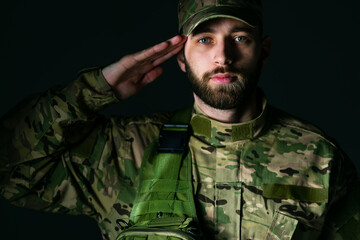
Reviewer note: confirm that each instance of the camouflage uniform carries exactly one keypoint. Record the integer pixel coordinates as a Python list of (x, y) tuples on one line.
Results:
[(274, 177)]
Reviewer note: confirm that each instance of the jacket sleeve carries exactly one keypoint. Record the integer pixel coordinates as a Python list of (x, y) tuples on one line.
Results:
[(343, 218), (41, 135)]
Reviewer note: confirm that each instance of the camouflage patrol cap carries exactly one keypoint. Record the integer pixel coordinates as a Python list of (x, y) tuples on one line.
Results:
[(193, 12)]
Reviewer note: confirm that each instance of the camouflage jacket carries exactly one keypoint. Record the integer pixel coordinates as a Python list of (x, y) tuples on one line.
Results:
[(274, 177)]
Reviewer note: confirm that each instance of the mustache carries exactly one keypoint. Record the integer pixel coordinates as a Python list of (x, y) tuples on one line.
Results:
[(229, 70)]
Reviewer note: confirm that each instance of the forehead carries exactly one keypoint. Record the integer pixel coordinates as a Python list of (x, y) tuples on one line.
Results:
[(228, 25)]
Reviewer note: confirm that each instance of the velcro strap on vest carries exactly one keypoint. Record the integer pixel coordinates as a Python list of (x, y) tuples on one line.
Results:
[(301, 193)]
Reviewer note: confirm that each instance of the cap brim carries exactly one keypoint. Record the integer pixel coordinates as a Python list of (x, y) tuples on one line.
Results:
[(240, 14)]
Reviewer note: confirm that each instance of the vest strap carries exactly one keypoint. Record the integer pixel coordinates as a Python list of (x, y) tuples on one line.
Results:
[(165, 188)]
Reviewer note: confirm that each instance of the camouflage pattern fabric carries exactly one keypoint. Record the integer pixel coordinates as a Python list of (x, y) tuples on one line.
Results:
[(193, 12), (274, 177)]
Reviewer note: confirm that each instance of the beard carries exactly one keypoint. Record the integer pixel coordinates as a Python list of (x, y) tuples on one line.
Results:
[(225, 96)]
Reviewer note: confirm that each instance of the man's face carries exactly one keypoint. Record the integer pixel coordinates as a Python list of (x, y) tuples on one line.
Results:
[(222, 58)]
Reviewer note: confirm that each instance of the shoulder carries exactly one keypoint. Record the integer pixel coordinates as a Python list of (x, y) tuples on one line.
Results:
[(284, 122), (157, 118), (302, 139), (143, 127)]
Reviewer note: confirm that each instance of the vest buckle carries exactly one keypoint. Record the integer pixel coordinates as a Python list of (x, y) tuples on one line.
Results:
[(174, 138)]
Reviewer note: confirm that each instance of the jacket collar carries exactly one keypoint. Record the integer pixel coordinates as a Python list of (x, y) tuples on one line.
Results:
[(217, 133)]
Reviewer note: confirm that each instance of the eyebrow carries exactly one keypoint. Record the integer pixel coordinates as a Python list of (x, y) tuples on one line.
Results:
[(200, 30)]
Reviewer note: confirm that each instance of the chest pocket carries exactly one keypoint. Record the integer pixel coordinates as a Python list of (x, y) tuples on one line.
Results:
[(298, 205)]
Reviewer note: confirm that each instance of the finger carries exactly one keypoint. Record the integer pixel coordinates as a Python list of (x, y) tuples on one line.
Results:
[(152, 75), (159, 60), (159, 49), (146, 57), (169, 44), (165, 57), (148, 67), (169, 49)]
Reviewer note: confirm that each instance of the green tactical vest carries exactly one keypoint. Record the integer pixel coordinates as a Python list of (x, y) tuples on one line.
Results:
[(164, 207)]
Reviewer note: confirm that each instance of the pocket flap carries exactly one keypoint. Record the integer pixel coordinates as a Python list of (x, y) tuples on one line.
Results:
[(282, 227)]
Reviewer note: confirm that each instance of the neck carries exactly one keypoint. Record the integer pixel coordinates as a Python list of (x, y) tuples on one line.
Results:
[(250, 110)]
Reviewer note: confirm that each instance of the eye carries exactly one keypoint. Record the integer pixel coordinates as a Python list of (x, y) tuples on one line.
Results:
[(240, 38), (204, 40)]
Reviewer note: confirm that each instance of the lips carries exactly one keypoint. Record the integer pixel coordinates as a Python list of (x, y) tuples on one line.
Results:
[(223, 78)]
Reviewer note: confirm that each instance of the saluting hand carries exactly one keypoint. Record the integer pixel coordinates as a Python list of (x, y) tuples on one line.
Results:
[(132, 72)]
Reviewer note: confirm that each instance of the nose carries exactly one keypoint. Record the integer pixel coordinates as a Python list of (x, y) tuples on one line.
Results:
[(223, 55)]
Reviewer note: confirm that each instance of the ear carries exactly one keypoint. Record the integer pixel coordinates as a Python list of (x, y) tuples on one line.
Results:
[(266, 49), (181, 60)]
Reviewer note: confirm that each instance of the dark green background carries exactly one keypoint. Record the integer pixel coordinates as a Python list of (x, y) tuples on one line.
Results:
[(313, 71)]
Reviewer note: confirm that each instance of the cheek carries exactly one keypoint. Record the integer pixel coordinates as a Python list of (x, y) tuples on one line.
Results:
[(198, 63), (195, 59), (250, 56)]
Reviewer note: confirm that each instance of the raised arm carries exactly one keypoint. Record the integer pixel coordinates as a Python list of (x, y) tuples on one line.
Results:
[(41, 141)]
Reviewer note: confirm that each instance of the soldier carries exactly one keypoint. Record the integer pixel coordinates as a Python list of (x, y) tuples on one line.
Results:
[(256, 172)]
